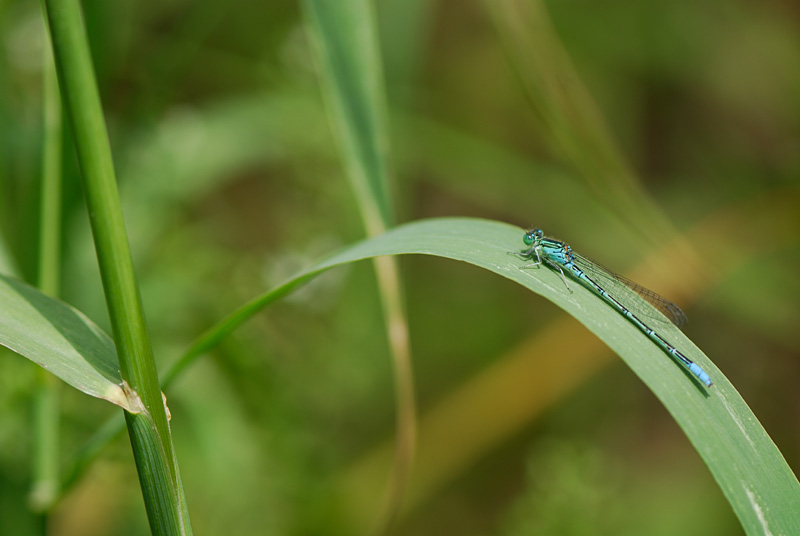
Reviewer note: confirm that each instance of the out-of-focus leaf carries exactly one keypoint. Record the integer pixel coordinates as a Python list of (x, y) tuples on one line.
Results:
[(7, 264), (352, 79)]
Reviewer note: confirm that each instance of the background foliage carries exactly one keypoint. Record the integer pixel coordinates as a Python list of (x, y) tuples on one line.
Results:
[(231, 181)]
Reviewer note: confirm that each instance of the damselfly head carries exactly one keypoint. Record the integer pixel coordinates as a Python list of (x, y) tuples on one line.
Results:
[(534, 235)]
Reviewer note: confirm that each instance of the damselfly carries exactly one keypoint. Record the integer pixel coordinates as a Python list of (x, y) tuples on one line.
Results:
[(621, 293)]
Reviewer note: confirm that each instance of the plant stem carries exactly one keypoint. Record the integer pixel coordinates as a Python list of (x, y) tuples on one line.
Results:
[(149, 430), (352, 79), (45, 488)]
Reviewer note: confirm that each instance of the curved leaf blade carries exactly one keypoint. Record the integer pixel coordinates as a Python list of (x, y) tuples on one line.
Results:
[(61, 339), (749, 468)]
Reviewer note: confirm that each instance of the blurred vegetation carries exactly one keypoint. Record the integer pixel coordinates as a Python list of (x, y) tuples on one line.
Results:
[(685, 176)]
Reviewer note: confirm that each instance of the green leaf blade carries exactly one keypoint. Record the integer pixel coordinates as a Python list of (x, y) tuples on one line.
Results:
[(60, 339), (749, 468)]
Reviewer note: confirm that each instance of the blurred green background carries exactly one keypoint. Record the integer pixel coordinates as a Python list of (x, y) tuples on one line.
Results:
[(686, 179)]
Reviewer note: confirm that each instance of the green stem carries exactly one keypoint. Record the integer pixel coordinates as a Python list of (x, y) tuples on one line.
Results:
[(45, 488), (149, 430), (352, 80)]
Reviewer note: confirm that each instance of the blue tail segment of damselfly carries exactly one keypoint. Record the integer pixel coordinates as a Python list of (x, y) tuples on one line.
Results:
[(616, 290)]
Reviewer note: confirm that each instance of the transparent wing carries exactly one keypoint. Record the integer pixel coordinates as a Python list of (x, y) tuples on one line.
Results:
[(626, 291)]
